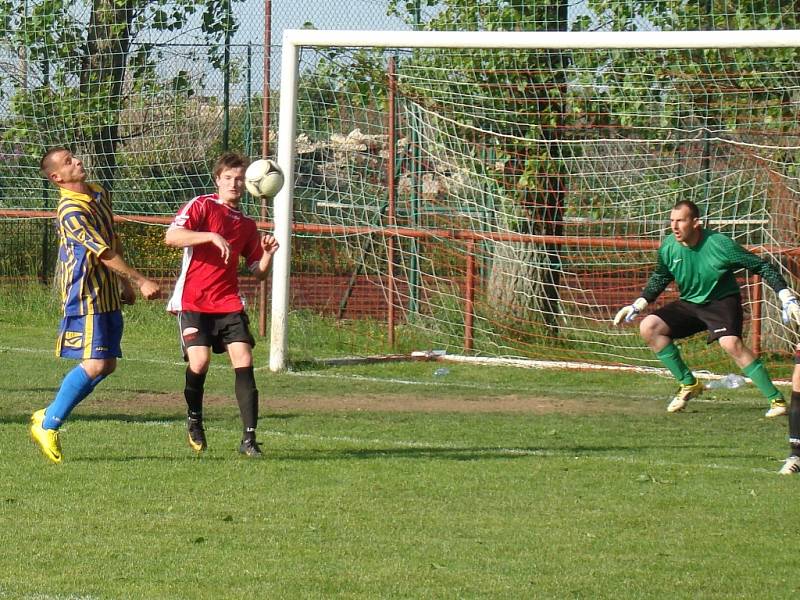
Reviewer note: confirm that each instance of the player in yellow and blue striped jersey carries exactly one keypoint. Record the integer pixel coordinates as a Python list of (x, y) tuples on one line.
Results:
[(94, 281)]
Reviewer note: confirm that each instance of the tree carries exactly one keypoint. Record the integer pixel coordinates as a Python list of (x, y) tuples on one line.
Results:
[(82, 64)]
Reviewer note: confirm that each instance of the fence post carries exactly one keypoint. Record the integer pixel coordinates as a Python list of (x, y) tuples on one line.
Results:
[(469, 297), (266, 122)]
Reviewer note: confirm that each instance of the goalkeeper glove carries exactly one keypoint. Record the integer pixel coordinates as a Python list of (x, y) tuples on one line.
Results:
[(629, 312), (791, 309)]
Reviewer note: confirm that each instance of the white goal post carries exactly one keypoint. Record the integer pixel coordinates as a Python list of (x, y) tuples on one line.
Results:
[(294, 40)]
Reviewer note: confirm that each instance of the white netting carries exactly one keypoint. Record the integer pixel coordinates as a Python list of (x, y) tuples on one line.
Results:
[(555, 172)]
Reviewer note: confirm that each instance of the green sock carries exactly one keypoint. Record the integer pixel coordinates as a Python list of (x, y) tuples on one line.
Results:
[(671, 358), (757, 372)]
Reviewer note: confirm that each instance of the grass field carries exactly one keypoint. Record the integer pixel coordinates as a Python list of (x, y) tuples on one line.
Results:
[(384, 481)]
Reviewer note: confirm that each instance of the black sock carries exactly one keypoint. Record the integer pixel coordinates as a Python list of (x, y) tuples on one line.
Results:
[(193, 392), (247, 397), (794, 424)]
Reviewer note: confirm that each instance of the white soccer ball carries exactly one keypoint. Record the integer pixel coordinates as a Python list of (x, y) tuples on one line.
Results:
[(263, 178)]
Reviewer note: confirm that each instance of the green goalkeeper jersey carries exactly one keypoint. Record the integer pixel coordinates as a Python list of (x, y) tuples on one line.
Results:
[(705, 272)]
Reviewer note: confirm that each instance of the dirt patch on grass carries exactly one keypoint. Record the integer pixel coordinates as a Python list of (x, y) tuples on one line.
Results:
[(513, 403)]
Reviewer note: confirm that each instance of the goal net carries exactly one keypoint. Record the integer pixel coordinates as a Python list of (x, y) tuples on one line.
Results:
[(504, 194)]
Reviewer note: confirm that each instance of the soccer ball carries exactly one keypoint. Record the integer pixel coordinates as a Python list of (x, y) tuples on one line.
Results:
[(263, 178)]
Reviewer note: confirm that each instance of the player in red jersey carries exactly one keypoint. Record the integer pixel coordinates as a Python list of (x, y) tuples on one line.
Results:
[(214, 234)]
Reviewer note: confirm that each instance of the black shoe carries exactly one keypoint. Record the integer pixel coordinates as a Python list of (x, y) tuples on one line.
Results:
[(197, 435), (250, 448)]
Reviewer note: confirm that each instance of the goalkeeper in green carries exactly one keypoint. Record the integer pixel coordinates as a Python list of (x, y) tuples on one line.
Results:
[(702, 263)]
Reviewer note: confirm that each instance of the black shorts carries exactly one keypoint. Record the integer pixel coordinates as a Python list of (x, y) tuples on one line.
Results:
[(719, 317), (213, 330)]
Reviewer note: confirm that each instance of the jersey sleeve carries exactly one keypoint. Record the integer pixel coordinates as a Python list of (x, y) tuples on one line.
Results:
[(658, 281), (190, 216), (740, 258), (76, 227)]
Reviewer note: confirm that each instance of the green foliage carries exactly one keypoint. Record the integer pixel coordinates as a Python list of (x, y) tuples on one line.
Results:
[(145, 248), (76, 64), (542, 97), (27, 248)]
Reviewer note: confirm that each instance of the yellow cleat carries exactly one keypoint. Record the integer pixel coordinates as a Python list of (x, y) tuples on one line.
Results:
[(38, 417), (685, 393), (47, 439), (777, 408)]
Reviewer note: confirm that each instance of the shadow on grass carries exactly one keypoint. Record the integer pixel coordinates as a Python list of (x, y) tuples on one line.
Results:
[(467, 454), (480, 453)]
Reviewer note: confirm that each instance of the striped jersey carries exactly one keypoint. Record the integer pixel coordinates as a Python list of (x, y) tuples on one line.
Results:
[(206, 283), (86, 230), (705, 272)]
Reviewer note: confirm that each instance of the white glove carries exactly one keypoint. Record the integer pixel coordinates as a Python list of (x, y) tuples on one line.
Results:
[(791, 309), (629, 312)]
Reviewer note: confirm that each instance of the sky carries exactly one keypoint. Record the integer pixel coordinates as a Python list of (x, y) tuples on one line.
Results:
[(323, 14)]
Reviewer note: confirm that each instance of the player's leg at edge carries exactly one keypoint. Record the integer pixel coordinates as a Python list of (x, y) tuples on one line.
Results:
[(791, 465)]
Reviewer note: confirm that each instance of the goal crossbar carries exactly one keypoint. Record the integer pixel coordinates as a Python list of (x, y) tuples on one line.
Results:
[(586, 40)]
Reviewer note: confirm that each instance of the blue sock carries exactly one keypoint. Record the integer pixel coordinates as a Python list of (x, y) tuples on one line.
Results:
[(75, 386)]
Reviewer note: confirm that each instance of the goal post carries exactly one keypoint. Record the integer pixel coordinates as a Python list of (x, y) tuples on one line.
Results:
[(566, 174)]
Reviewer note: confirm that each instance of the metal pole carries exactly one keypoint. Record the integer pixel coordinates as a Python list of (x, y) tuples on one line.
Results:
[(265, 107), (265, 119), (248, 116), (281, 266), (575, 40), (392, 187), (226, 78), (469, 297)]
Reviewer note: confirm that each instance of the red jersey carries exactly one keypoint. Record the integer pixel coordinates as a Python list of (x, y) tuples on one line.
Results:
[(206, 284)]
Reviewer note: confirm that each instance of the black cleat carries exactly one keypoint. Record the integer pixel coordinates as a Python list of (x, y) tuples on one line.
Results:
[(197, 435), (250, 448)]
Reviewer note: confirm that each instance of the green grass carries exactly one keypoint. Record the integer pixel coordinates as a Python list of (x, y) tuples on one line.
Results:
[(594, 492)]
